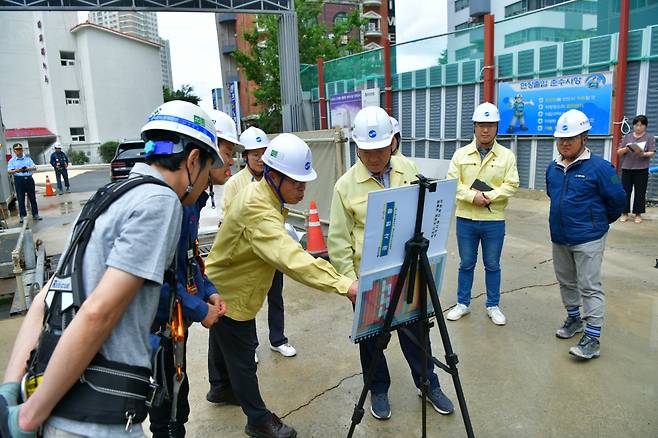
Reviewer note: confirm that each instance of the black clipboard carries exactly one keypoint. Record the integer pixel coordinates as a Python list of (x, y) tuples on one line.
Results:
[(481, 186)]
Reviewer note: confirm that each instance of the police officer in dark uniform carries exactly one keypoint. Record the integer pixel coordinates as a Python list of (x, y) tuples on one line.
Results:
[(21, 167)]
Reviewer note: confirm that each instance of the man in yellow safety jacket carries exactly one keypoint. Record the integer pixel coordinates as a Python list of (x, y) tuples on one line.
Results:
[(375, 169), (250, 245)]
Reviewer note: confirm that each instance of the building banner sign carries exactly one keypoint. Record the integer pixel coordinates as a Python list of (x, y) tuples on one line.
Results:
[(343, 107), (532, 107), (234, 92)]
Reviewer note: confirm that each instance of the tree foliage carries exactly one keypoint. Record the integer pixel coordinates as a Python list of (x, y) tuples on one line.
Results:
[(107, 150), (78, 157), (185, 92), (260, 62)]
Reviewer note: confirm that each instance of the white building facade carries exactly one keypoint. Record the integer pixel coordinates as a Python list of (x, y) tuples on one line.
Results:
[(79, 84), (141, 24)]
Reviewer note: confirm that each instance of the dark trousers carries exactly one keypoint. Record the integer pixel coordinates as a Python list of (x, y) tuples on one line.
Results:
[(59, 173), (635, 179), (275, 313), (160, 417), (231, 366), (25, 186), (414, 356)]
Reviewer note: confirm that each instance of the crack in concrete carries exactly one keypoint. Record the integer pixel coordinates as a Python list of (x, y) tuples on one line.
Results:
[(531, 286), (316, 396)]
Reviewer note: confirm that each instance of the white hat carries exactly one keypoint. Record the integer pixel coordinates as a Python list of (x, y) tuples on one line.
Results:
[(486, 112), (571, 123), (372, 128), (396, 125), (291, 156), (225, 128), (254, 138), (186, 119), (57, 145)]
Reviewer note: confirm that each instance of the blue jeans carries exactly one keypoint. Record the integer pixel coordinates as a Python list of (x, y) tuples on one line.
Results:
[(469, 235)]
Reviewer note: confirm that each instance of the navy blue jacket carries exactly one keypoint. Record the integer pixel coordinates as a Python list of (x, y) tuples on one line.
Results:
[(59, 160), (584, 200), (194, 306)]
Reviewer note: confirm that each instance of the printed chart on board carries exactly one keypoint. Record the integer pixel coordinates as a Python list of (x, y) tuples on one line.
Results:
[(390, 223)]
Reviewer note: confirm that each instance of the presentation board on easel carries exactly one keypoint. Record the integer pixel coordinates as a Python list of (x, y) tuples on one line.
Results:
[(390, 222)]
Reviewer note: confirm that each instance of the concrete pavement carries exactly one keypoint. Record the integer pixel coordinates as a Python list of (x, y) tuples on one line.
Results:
[(519, 380)]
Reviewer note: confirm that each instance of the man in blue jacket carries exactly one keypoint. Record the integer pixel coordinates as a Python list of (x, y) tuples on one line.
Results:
[(200, 303), (586, 196), (60, 162)]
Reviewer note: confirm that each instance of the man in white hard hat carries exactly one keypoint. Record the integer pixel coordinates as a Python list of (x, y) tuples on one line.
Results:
[(486, 178), (374, 170), (126, 255), (227, 141), (60, 163), (251, 244), (586, 196)]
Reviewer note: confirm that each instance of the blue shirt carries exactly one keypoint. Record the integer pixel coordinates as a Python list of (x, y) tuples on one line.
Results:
[(19, 163), (194, 305)]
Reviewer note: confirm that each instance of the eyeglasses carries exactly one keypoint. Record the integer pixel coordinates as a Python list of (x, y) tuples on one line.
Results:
[(568, 139)]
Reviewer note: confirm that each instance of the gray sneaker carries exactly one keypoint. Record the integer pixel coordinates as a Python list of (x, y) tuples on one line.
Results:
[(587, 348), (572, 325)]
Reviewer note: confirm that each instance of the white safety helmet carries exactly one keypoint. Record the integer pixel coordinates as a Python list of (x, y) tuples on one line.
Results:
[(254, 138), (572, 123), (57, 145), (291, 156), (186, 119), (372, 128), (396, 125), (486, 112), (225, 129)]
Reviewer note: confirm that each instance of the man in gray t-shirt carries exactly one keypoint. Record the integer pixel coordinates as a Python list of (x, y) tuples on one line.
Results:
[(131, 245)]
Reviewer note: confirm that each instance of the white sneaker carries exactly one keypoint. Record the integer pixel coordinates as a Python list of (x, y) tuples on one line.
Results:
[(496, 315), (286, 349), (457, 312), (255, 357)]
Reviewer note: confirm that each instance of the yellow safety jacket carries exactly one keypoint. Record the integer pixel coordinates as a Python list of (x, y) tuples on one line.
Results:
[(251, 244), (348, 211), (234, 185), (498, 170)]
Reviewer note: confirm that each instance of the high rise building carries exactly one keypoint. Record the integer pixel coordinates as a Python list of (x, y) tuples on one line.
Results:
[(141, 24), (232, 27), (79, 84)]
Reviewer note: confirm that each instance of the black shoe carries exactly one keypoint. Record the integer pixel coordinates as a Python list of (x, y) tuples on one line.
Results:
[(272, 428), (37, 218), (21, 220), (222, 396)]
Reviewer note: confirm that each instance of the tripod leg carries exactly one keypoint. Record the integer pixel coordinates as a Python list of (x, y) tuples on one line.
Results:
[(424, 382), (451, 357), (382, 340)]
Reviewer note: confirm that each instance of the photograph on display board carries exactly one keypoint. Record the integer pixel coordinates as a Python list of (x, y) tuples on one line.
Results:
[(375, 291)]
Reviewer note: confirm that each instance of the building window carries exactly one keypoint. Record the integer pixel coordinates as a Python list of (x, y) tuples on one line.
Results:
[(67, 58), (464, 25), (516, 8), (461, 4), (72, 97), (340, 17), (77, 134)]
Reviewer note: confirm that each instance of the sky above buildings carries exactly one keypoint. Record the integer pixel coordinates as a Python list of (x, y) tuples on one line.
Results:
[(195, 54)]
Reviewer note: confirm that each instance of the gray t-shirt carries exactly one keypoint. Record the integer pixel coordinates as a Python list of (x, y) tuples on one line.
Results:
[(137, 234), (631, 161)]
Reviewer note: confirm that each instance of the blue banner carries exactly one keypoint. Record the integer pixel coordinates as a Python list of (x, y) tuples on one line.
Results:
[(532, 107)]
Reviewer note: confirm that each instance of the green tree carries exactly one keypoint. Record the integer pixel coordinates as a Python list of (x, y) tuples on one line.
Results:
[(185, 92), (260, 62), (78, 157), (107, 150)]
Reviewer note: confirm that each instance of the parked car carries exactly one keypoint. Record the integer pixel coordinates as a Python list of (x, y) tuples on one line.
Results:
[(128, 153)]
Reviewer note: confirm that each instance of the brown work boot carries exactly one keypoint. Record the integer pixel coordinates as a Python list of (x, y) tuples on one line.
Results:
[(273, 427)]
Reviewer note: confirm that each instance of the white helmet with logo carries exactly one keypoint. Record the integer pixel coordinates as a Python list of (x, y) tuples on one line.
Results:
[(572, 123), (396, 125), (291, 156), (185, 119), (254, 138), (225, 129), (486, 112), (372, 128)]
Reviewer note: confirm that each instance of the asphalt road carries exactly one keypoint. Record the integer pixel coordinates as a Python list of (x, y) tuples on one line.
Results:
[(88, 181)]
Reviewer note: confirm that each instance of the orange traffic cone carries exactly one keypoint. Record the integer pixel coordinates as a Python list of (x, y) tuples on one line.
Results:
[(314, 238), (49, 188)]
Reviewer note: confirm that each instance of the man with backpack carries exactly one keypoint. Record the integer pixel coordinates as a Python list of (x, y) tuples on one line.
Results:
[(88, 373)]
